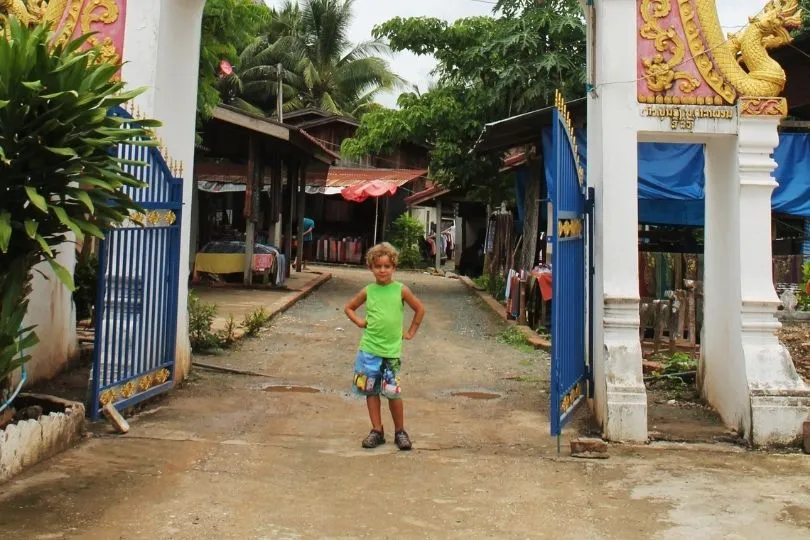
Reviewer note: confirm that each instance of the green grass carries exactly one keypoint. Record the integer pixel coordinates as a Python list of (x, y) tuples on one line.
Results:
[(514, 338)]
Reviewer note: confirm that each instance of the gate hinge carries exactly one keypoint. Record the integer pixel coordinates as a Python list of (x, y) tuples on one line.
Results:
[(590, 200)]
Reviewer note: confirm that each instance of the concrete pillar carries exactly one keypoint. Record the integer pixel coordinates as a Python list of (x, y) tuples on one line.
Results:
[(161, 52), (772, 400), (620, 400)]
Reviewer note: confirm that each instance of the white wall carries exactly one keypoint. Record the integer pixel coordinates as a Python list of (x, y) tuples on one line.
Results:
[(161, 49), (51, 310)]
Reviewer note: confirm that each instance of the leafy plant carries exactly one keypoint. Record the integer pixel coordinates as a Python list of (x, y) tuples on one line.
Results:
[(803, 296), (200, 320), (514, 338), (406, 233), (57, 175), (255, 321), (228, 335), (86, 280)]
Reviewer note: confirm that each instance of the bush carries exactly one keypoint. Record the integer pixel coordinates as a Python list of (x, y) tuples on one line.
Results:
[(86, 278), (200, 320), (804, 298), (255, 321), (406, 234), (57, 173)]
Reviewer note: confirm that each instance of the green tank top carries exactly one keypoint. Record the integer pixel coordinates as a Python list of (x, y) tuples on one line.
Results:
[(384, 314)]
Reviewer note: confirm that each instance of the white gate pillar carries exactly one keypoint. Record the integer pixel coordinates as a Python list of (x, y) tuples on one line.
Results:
[(751, 381), (162, 52), (620, 399)]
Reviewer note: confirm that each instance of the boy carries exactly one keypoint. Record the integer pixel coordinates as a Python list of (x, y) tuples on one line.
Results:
[(376, 369)]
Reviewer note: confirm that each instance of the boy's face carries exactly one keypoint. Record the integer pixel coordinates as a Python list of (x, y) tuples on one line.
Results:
[(382, 269)]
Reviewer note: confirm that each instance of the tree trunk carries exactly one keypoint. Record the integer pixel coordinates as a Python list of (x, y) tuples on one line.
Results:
[(531, 215)]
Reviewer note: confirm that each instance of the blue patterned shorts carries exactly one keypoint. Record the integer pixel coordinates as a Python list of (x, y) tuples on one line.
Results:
[(375, 376)]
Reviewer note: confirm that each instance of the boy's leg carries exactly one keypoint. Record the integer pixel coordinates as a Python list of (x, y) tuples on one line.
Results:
[(374, 412), (397, 414)]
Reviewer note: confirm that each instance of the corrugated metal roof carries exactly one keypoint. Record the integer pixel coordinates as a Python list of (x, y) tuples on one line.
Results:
[(344, 177), (426, 195)]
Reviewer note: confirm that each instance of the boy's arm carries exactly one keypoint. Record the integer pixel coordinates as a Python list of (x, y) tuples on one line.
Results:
[(351, 309), (418, 312)]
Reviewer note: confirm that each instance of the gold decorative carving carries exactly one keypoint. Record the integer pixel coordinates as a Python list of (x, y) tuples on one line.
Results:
[(107, 397), (763, 107), (145, 383), (721, 60), (162, 376), (138, 217), (65, 16), (569, 228), (106, 12), (128, 390), (570, 398), (153, 217), (169, 218), (659, 71)]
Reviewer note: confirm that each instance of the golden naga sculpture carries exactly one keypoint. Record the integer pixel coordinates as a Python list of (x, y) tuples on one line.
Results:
[(743, 58), (733, 67), (65, 16)]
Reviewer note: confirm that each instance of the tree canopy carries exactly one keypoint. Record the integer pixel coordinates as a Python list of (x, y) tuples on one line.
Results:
[(228, 26), (488, 68), (322, 67)]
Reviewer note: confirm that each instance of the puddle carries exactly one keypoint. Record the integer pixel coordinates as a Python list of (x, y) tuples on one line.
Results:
[(282, 388), (476, 395)]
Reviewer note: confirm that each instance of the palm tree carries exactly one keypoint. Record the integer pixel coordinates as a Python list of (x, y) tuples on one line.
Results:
[(323, 68)]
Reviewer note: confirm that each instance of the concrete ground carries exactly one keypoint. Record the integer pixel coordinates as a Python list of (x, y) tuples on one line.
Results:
[(233, 456), (238, 302)]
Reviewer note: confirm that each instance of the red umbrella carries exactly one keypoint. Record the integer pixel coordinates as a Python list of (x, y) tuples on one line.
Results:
[(373, 188)]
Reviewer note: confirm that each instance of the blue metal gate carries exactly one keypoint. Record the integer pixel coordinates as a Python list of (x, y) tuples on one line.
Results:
[(569, 356), (136, 306)]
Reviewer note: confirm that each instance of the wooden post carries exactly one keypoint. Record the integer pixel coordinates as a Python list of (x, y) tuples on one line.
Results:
[(252, 191), (292, 173), (531, 215), (438, 234), (522, 305), (302, 191), (274, 208)]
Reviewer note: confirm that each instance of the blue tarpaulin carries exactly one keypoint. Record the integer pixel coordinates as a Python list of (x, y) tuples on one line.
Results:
[(671, 178)]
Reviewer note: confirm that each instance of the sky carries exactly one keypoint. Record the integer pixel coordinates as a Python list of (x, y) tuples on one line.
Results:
[(416, 70)]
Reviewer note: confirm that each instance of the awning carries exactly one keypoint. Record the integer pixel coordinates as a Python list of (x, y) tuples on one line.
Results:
[(426, 195), (523, 129), (231, 178)]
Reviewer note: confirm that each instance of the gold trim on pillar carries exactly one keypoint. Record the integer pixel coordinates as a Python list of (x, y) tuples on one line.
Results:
[(769, 107)]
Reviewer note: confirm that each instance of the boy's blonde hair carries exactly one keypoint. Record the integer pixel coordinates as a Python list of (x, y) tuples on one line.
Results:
[(382, 250)]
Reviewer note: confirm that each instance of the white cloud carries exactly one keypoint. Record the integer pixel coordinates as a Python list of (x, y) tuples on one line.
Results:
[(416, 70)]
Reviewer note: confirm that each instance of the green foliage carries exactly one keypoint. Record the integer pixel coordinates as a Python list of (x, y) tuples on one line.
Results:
[(489, 68), (57, 175), (255, 321), (803, 297), (228, 335), (322, 67), (513, 337), (200, 320), (406, 232), (86, 279), (228, 26)]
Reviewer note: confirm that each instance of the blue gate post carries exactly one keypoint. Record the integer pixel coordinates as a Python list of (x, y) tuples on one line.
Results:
[(571, 275)]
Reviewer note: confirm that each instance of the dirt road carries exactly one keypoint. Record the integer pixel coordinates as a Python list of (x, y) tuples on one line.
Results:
[(232, 456)]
